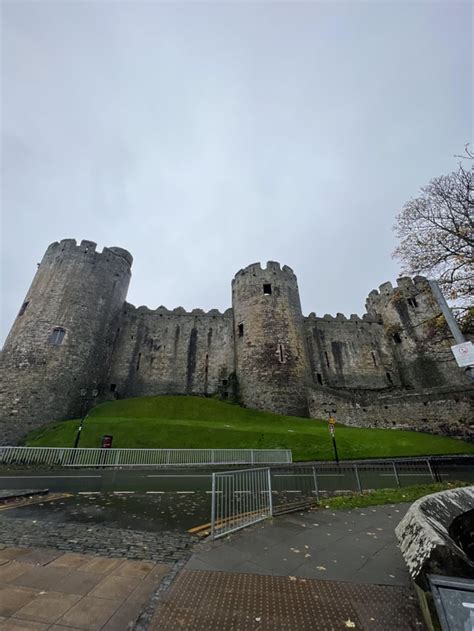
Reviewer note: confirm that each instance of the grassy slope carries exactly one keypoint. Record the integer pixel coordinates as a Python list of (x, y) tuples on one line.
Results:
[(194, 422)]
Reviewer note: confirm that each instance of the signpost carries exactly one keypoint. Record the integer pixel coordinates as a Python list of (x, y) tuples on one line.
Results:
[(332, 431), (464, 354), (107, 442)]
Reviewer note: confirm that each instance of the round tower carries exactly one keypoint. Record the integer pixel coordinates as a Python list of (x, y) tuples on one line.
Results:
[(272, 365), (62, 338)]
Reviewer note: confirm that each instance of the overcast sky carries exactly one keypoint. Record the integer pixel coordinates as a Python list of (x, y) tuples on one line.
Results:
[(204, 137)]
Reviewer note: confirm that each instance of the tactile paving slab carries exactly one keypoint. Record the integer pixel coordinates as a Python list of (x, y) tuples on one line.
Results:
[(202, 600)]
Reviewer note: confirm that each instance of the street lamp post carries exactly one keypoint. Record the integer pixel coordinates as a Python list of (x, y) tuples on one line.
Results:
[(332, 431), (88, 395)]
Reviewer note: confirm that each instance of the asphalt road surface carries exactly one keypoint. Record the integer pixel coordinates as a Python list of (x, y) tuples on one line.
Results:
[(186, 480)]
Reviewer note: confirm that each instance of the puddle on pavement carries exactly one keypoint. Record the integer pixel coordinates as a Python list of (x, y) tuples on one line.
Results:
[(148, 512)]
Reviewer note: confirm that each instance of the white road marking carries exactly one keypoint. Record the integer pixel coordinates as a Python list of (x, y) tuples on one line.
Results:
[(89, 493), (122, 492), (155, 492), (180, 476), (46, 477), (184, 492)]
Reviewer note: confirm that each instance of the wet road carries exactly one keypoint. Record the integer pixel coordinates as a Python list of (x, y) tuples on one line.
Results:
[(199, 480), (146, 512)]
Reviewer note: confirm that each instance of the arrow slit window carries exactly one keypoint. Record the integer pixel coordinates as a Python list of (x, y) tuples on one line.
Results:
[(57, 336)]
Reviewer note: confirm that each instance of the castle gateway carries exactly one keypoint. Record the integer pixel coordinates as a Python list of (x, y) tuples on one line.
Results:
[(392, 367)]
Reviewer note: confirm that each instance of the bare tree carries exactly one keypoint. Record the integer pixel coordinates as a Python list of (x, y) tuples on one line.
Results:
[(436, 232)]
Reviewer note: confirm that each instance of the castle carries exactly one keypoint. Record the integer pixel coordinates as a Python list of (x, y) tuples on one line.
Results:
[(75, 334)]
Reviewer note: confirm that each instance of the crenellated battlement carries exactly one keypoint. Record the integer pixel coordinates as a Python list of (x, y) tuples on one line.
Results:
[(178, 311), (70, 247), (407, 287), (340, 317), (272, 267)]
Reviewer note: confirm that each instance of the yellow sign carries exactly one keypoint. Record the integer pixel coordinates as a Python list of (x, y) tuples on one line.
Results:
[(332, 420)]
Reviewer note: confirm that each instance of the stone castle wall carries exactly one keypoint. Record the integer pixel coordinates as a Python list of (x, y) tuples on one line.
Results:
[(76, 331), (80, 293), (173, 352), (271, 357)]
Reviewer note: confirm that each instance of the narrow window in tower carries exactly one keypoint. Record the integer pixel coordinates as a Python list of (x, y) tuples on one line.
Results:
[(374, 358), (113, 387), (241, 329), (389, 378), (267, 289), (319, 378), (57, 336), (396, 338), (412, 302), (327, 359), (281, 354), (138, 360), (23, 308)]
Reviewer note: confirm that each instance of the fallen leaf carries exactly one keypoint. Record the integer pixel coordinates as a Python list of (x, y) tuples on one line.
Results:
[(257, 619), (292, 578), (349, 624), (321, 568)]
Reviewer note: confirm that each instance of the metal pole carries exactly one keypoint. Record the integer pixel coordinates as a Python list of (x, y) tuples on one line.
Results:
[(213, 506), (359, 485), (335, 448), (270, 499), (396, 473), (443, 305), (431, 470), (316, 487)]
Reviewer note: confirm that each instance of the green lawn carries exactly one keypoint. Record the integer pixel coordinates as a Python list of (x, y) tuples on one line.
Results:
[(386, 496), (196, 422)]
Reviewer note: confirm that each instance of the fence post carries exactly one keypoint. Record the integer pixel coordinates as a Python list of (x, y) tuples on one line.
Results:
[(270, 498), (213, 506), (396, 473), (359, 485), (430, 470), (212, 456), (252, 457), (316, 487)]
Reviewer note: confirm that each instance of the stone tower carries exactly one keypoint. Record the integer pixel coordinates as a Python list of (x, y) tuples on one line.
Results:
[(271, 358), (416, 331), (63, 336)]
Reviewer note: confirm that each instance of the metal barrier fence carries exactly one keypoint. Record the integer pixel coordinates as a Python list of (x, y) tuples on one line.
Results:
[(83, 457), (239, 499), (298, 482)]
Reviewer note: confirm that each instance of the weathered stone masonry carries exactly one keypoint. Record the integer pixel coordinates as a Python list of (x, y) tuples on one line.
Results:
[(75, 330)]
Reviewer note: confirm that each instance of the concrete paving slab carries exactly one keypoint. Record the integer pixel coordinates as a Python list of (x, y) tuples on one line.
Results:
[(13, 598), (23, 625), (91, 613), (42, 577), (12, 570), (47, 607), (115, 587), (78, 582), (138, 569), (71, 560)]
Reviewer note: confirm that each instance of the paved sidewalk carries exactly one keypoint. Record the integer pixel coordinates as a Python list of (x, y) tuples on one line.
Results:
[(319, 570), (42, 588)]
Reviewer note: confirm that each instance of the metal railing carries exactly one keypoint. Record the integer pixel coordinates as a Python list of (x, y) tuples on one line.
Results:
[(239, 499), (84, 457)]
